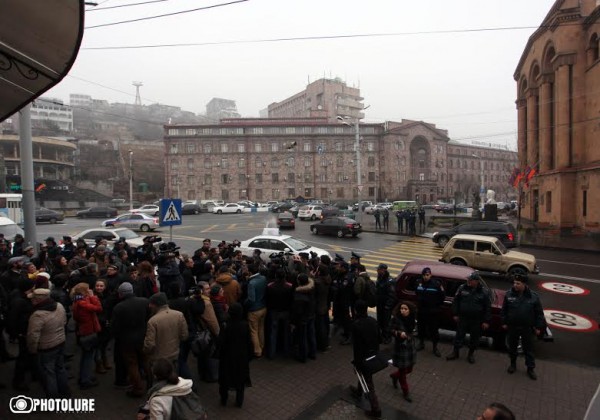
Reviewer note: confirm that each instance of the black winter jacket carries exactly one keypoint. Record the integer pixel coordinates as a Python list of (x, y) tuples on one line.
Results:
[(472, 302), (430, 296), (523, 310)]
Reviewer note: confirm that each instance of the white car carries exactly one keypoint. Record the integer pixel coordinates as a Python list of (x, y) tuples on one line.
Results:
[(270, 243), (90, 235), (149, 209), (310, 212), (136, 221), (371, 209), (228, 208)]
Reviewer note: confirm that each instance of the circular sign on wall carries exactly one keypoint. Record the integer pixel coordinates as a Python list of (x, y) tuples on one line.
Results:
[(564, 288), (569, 321)]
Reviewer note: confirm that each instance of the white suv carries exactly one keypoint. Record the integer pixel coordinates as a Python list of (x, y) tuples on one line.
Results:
[(310, 212)]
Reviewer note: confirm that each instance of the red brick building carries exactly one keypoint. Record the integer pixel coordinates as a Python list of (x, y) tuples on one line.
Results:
[(558, 102)]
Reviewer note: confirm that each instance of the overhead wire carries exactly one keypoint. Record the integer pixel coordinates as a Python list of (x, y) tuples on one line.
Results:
[(125, 5)]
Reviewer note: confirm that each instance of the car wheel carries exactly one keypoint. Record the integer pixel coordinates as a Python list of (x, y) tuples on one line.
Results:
[(219, 212), (82, 216), (156, 214), (196, 212), (354, 235), (109, 225), (53, 220), (313, 217), (340, 233), (314, 230), (442, 241), (517, 270), (238, 211), (144, 228), (457, 261)]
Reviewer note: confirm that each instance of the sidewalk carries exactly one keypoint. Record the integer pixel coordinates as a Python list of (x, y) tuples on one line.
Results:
[(286, 389)]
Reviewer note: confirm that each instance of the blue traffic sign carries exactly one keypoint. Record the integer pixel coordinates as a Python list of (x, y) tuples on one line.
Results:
[(170, 212)]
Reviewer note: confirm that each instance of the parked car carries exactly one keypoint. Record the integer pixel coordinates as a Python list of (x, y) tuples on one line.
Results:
[(9, 228), (270, 243), (347, 213), (281, 207), (286, 219), (135, 221), (46, 215), (190, 208), (149, 209), (294, 210), (90, 235), (329, 211), (504, 231), (386, 205), (487, 253), (97, 212), (228, 208), (451, 278), (340, 226), (371, 209), (310, 212)]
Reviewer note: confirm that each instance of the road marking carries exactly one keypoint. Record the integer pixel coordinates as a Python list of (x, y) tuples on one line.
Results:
[(569, 263), (208, 229), (569, 321), (232, 226), (570, 278), (398, 254)]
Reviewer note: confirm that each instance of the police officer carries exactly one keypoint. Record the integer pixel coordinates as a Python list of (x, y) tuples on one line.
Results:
[(399, 219), (472, 311), (522, 315), (386, 300), (421, 219), (377, 215), (386, 218), (430, 297)]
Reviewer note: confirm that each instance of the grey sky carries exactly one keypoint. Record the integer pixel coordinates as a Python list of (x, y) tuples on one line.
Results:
[(459, 81)]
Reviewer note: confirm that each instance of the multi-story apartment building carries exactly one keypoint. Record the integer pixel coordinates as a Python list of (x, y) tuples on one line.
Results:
[(274, 159), (324, 98), (53, 110), (558, 78)]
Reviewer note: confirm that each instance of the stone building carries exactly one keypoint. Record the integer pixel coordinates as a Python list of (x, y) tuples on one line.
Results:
[(280, 158), (324, 98), (558, 79)]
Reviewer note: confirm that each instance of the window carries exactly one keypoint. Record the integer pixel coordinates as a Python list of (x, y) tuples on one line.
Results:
[(190, 180), (307, 161), (207, 194), (339, 147), (258, 162), (191, 148), (258, 147), (339, 161), (274, 147), (548, 201), (307, 147), (371, 161), (307, 177), (225, 195), (224, 179), (259, 178), (291, 177), (275, 178), (224, 163), (275, 163), (484, 247), (275, 193), (371, 176), (224, 148), (340, 193), (173, 148), (241, 148), (323, 178), (464, 244), (174, 164), (174, 180), (259, 194), (421, 177), (291, 192), (241, 163), (207, 179), (371, 191), (242, 179), (370, 146), (290, 162), (207, 148), (190, 164)]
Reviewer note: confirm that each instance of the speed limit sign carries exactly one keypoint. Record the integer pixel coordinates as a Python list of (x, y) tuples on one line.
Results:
[(564, 288), (569, 321)]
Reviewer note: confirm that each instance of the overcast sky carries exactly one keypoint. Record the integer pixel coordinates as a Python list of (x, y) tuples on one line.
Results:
[(460, 81)]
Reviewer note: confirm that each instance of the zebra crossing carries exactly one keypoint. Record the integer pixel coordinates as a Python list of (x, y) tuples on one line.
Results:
[(397, 255)]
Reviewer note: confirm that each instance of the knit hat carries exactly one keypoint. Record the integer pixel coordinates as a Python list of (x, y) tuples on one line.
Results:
[(474, 276), (523, 278), (158, 299), (382, 267), (125, 289), (426, 270)]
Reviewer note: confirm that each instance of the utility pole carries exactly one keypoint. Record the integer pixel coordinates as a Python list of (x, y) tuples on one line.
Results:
[(359, 185), (130, 180), (27, 182)]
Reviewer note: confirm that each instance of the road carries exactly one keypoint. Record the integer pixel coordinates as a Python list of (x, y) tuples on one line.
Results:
[(569, 283)]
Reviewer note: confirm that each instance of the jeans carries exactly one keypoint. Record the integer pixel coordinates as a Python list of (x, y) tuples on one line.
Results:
[(256, 322), (307, 343), (86, 366), (51, 365), (25, 362), (279, 320)]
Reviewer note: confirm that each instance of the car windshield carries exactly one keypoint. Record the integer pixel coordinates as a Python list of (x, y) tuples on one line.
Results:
[(501, 247), (127, 234), (296, 245)]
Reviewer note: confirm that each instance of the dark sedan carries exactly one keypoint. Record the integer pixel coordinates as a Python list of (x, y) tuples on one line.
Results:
[(504, 231), (339, 226), (286, 219), (46, 215), (280, 208), (97, 212), (190, 209)]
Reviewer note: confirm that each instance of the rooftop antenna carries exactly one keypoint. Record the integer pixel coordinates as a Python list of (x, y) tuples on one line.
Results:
[(138, 99)]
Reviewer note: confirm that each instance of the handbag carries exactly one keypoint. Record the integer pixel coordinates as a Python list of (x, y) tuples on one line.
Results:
[(201, 342), (374, 364)]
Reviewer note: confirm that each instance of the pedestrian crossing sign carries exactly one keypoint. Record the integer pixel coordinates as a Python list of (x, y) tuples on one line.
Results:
[(170, 212)]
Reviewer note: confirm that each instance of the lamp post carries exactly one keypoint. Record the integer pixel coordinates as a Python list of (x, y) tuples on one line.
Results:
[(358, 169), (481, 188), (130, 180)]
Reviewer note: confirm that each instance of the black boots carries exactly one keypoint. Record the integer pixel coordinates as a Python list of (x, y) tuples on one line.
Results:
[(531, 374), (470, 357), (512, 368), (436, 352)]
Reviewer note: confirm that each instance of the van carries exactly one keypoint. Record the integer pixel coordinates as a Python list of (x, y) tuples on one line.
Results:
[(9, 228), (403, 205)]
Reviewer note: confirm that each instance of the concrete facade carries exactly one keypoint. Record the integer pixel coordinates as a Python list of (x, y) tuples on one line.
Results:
[(324, 98), (276, 159), (558, 78)]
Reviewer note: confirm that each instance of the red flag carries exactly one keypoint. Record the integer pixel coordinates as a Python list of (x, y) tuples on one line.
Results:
[(518, 180)]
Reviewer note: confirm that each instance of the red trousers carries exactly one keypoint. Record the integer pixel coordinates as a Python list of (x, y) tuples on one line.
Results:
[(400, 374)]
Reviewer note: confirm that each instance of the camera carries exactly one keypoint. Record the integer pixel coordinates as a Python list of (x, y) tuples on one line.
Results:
[(152, 239), (21, 404)]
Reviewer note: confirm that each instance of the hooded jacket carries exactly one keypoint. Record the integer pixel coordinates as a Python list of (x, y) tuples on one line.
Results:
[(161, 402), (231, 287), (46, 328)]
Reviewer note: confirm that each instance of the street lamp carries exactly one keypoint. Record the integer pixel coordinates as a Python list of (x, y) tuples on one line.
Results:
[(130, 180), (482, 188)]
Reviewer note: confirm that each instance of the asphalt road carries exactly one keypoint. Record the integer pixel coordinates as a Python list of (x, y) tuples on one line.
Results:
[(569, 283)]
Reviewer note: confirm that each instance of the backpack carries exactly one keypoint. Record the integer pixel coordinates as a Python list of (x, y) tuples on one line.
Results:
[(187, 407), (370, 293)]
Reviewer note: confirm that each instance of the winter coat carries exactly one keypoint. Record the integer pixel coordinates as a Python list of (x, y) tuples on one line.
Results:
[(161, 401), (405, 354), (18, 314), (279, 296), (257, 287), (85, 313), (235, 350), (208, 319), (386, 291), (128, 322), (303, 305), (166, 329), (231, 287), (472, 303), (523, 310), (430, 296), (322, 289), (360, 285), (365, 339), (46, 328)]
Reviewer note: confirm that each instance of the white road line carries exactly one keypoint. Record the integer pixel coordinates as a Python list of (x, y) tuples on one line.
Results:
[(570, 278), (570, 263)]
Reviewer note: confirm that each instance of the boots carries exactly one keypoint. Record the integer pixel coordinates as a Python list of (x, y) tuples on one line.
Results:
[(453, 356), (531, 374), (436, 351), (100, 367), (470, 357), (407, 397), (513, 367)]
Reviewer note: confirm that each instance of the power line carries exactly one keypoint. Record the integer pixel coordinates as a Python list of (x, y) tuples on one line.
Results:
[(166, 14), (314, 38), (126, 5)]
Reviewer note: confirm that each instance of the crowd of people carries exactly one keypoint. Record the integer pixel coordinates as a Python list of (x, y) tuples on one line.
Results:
[(406, 220), (154, 306)]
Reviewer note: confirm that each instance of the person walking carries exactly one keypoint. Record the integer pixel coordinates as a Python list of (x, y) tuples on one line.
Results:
[(522, 315), (365, 334), (235, 351), (404, 357), (377, 215), (430, 297), (386, 218), (472, 311)]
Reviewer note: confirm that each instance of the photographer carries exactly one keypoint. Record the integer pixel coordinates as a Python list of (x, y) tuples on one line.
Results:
[(168, 269), (147, 252)]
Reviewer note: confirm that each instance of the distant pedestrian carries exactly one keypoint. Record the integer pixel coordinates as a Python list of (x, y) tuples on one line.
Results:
[(522, 315), (399, 220), (386, 218), (422, 219), (405, 355), (430, 297), (472, 311), (406, 218), (412, 223), (377, 215), (496, 411)]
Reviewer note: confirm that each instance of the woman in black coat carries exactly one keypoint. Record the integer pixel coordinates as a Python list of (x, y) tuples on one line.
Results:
[(235, 350), (404, 358)]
